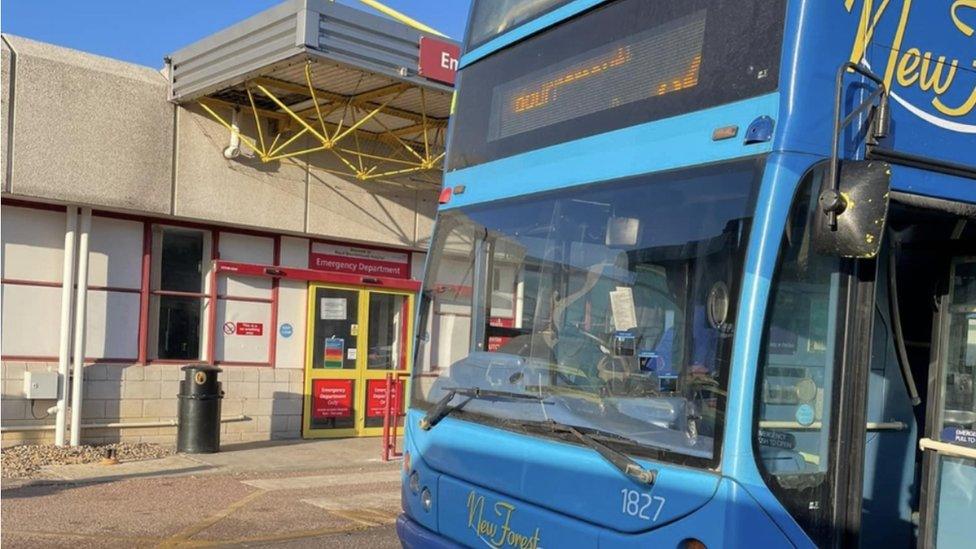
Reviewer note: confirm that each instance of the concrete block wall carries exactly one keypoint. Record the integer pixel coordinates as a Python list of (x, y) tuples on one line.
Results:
[(270, 399)]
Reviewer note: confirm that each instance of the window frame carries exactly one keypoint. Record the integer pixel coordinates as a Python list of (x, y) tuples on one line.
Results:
[(471, 46), (36, 283), (215, 269), (144, 337), (208, 253), (848, 402), (480, 332)]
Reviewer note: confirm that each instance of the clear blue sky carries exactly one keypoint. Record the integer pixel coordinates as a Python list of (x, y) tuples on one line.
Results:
[(143, 31)]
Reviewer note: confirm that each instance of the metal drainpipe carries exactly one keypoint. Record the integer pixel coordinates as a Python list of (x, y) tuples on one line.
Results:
[(81, 308), (64, 346)]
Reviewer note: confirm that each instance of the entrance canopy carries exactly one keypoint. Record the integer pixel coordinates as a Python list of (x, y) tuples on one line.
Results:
[(313, 76)]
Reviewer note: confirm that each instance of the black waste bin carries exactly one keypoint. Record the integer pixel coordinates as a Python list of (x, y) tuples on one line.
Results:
[(200, 394)]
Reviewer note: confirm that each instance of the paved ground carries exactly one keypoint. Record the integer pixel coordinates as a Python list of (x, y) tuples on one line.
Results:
[(306, 494)]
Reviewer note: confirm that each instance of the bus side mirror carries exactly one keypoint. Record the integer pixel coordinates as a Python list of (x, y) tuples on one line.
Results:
[(859, 205)]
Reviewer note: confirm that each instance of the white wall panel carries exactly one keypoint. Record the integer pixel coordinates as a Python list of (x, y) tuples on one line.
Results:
[(294, 252), (235, 347), (246, 248), (115, 253), (33, 244), (292, 310), (113, 325), (31, 320), (244, 286)]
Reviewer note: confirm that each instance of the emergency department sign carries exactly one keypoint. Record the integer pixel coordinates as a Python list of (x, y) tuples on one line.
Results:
[(438, 60), (359, 260)]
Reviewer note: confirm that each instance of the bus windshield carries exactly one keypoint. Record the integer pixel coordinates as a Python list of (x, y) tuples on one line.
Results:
[(613, 302)]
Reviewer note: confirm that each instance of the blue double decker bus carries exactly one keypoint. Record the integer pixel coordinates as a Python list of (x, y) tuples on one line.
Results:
[(704, 275)]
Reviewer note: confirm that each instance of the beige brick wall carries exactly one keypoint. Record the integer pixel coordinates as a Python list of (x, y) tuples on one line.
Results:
[(270, 399)]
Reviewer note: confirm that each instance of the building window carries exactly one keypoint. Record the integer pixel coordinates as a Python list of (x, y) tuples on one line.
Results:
[(179, 298)]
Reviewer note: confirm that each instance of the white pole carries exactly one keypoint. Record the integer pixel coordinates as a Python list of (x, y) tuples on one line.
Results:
[(80, 317), (64, 347)]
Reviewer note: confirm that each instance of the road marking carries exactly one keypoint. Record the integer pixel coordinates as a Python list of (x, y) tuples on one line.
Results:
[(324, 481), (384, 517), (379, 500), (287, 536), (183, 536), (357, 518)]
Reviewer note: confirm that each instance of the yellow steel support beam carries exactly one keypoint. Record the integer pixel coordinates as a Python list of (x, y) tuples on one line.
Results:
[(244, 139), (358, 109), (213, 101), (290, 140), (406, 20), (315, 100), (365, 119), (339, 98), (324, 140), (257, 120)]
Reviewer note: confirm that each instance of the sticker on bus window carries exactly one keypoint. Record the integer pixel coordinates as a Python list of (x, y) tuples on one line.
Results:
[(622, 307), (957, 435), (777, 439), (333, 352), (805, 415)]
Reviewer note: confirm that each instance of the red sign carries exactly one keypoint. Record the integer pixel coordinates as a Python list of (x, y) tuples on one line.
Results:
[(249, 329), (496, 342), (376, 398), (359, 260), (331, 398), (438, 60)]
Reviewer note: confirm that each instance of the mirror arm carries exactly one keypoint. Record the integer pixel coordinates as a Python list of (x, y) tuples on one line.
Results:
[(831, 201)]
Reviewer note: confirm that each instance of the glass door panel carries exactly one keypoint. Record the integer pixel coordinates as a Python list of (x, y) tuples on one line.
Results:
[(387, 338), (332, 365), (951, 442), (387, 331), (336, 329)]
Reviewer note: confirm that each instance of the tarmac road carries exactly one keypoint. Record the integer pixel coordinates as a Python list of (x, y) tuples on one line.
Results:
[(334, 507)]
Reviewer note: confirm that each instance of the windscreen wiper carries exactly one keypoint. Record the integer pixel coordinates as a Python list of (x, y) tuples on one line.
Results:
[(443, 406), (621, 461)]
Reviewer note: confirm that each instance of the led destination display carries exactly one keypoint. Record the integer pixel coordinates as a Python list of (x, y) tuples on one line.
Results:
[(621, 64), (658, 61)]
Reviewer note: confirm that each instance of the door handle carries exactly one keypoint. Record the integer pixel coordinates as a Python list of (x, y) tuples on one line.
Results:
[(947, 449)]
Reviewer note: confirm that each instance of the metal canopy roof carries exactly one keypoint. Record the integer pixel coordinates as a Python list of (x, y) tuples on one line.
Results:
[(315, 71)]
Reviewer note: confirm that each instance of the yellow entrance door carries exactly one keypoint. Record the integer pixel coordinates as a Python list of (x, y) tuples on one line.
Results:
[(355, 337)]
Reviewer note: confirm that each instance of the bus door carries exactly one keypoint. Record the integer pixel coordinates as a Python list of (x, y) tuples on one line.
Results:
[(948, 494)]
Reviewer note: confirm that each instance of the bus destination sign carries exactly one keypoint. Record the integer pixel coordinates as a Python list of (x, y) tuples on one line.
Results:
[(659, 61)]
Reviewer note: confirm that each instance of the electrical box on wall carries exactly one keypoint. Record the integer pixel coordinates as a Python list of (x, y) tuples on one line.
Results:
[(41, 385)]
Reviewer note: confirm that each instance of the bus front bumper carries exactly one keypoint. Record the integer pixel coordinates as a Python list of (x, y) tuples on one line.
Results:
[(414, 536)]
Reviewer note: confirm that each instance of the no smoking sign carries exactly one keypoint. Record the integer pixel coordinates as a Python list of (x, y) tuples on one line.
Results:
[(244, 328)]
